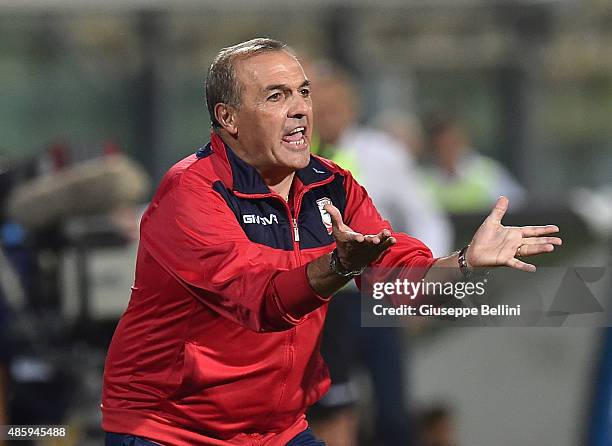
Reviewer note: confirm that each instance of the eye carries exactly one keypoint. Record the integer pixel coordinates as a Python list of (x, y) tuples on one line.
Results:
[(275, 97), (305, 92)]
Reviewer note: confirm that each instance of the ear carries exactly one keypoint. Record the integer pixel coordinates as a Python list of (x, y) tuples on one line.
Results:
[(226, 116)]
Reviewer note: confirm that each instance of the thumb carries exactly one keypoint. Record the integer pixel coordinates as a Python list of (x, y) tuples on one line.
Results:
[(341, 232), (336, 217), (499, 210)]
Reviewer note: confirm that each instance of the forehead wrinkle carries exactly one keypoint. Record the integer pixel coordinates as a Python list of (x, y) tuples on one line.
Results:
[(305, 83), (257, 71)]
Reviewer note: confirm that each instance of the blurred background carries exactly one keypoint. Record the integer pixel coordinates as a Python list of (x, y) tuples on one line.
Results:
[(466, 99)]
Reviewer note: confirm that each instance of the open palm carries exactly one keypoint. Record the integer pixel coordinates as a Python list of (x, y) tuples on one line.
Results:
[(494, 244)]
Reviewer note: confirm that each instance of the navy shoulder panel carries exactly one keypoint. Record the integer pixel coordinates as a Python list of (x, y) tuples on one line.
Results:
[(204, 152), (314, 232), (263, 220)]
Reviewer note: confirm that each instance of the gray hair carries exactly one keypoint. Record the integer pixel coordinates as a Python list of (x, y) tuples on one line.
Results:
[(222, 86)]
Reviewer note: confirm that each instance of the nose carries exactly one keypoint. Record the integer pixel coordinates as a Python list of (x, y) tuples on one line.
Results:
[(300, 107)]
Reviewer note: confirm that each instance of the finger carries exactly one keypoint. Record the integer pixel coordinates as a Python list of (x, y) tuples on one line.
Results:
[(385, 233), (384, 246), (348, 236), (374, 239), (532, 250), (388, 242), (535, 231), (517, 264), (340, 231), (542, 241), (380, 237), (336, 217), (499, 210)]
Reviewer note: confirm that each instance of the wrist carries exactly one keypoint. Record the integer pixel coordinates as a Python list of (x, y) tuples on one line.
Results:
[(466, 255), (467, 269), (338, 268), (462, 261)]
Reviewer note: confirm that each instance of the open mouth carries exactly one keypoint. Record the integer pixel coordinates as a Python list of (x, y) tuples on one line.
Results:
[(296, 137)]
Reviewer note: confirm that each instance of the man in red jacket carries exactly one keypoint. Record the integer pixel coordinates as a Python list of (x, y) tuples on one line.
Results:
[(241, 248)]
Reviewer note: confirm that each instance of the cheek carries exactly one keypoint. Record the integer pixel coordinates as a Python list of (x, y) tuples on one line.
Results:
[(309, 132), (270, 123), (259, 128)]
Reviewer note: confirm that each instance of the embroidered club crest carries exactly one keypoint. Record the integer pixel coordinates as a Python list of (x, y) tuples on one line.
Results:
[(325, 217)]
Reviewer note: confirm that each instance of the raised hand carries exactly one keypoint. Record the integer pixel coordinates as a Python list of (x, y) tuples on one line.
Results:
[(357, 250), (496, 245)]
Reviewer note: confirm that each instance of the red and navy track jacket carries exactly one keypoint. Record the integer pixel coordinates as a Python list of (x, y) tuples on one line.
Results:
[(219, 344)]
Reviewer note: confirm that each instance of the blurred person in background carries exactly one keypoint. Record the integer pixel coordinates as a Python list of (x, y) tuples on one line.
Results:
[(392, 181), (241, 250), (406, 127), (461, 179), (385, 167), (437, 426)]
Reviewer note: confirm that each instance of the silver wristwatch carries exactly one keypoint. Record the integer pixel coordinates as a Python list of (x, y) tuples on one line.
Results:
[(336, 267), (468, 272)]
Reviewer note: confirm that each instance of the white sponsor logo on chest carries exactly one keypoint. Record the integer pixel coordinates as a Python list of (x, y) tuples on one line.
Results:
[(264, 221)]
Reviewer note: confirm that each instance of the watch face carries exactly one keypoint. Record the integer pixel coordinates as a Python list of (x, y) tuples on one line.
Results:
[(336, 266)]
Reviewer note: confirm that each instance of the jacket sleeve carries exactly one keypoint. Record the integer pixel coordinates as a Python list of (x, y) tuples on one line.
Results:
[(409, 255), (194, 236)]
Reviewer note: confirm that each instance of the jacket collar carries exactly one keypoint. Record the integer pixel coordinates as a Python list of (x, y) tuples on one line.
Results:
[(245, 178)]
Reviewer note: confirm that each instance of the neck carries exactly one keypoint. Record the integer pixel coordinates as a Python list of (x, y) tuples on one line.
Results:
[(280, 186), (277, 181)]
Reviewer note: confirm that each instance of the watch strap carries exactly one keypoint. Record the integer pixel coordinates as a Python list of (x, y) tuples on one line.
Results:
[(335, 265)]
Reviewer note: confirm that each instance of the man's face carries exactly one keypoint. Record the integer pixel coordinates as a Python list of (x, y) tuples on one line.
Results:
[(334, 105), (449, 145), (274, 120)]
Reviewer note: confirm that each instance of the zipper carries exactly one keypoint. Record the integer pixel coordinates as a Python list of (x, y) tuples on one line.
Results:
[(292, 220), (290, 348), (296, 231), (296, 208)]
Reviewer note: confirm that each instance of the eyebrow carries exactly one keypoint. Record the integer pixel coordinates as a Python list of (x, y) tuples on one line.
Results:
[(306, 83)]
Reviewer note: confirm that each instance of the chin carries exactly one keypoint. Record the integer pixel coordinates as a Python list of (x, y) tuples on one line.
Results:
[(297, 159), (299, 163), (305, 158)]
